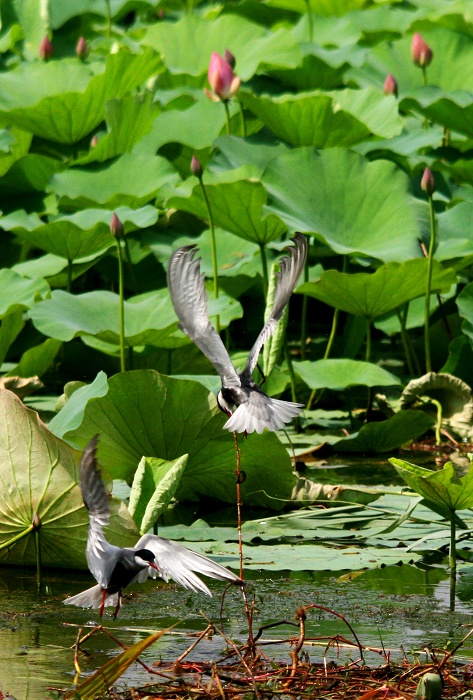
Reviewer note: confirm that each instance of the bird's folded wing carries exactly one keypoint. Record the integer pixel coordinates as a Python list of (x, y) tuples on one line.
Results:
[(291, 267), (189, 298), (179, 563)]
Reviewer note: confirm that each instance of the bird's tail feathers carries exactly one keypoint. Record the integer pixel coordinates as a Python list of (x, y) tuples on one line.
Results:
[(92, 598), (255, 417)]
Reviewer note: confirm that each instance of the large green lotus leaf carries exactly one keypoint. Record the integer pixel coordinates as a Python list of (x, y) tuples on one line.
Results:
[(413, 139), (128, 120), (387, 435), (78, 235), (453, 110), (462, 170), (146, 413), (31, 173), (442, 488), (61, 12), (326, 119), (39, 475), (153, 488), (196, 127), (454, 227), (187, 45), (371, 295), (15, 144), (450, 68), (465, 309), (65, 316), (341, 373), (254, 152), (351, 204), (325, 8), (36, 360), (236, 201), (17, 292), (131, 180), (64, 100), (71, 414)]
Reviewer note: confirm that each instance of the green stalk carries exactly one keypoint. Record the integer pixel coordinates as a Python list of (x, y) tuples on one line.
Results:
[(424, 76), (121, 306), (264, 265), (17, 538), (428, 360), (452, 560), (213, 245), (109, 18), (292, 378), (368, 340), (243, 120), (305, 302), (130, 266), (438, 425), (310, 20), (37, 542), (227, 114), (402, 316)]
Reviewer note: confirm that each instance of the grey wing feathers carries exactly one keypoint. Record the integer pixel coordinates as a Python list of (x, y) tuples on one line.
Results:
[(92, 598), (189, 298), (291, 267), (261, 412), (101, 556), (179, 563)]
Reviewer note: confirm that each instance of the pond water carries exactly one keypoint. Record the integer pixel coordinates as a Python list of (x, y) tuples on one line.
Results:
[(400, 608)]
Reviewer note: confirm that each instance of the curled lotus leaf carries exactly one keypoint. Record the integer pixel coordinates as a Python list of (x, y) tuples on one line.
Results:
[(453, 394)]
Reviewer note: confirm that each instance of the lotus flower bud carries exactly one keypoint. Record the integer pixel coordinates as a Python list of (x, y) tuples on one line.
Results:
[(230, 58), (196, 167), (46, 49), (390, 85), (82, 48), (116, 227), (222, 79), (427, 184), (94, 141), (36, 522), (420, 51)]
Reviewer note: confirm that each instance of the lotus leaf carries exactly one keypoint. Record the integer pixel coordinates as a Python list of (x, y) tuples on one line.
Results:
[(387, 435), (342, 373), (145, 413), (39, 474)]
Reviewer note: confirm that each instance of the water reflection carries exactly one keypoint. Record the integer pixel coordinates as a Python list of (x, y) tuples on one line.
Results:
[(393, 606)]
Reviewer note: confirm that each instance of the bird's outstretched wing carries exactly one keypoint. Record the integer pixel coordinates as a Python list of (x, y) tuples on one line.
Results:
[(291, 267), (101, 555), (176, 562), (189, 298)]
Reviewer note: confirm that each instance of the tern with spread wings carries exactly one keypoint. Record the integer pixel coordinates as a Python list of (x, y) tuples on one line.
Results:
[(255, 411), (114, 568)]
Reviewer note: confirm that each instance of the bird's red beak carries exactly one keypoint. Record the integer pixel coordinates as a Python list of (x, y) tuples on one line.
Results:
[(155, 566)]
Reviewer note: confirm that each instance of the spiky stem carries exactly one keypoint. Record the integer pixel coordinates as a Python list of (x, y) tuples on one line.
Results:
[(430, 257)]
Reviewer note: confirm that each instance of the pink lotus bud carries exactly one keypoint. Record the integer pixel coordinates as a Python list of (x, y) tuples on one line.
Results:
[(94, 141), (420, 51), (390, 85), (116, 227), (427, 184), (222, 79), (45, 49), (196, 167), (82, 48), (230, 58)]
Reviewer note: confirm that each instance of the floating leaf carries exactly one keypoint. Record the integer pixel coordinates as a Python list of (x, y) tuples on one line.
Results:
[(342, 373), (387, 435), (154, 486), (371, 295), (145, 413), (39, 475), (378, 216)]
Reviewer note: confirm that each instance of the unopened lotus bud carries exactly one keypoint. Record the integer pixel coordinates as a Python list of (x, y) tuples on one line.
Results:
[(427, 184), (82, 48), (420, 51), (230, 58), (196, 167), (116, 227), (36, 522), (222, 79), (94, 141), (390, 85), (46, 49), (161, 13)]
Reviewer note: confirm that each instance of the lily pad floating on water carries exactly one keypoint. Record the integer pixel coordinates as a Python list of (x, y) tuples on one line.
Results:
[(39, 482)]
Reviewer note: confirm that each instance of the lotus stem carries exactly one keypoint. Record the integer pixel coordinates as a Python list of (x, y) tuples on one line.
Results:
[(328, 349), (368, 340), (239, 481), (310, 21), (37, 542), (243, 119), (264, 265), (121, 295), (452, 560), (305, 301), (438, 425), (213, 245), (109, 18), (428, 360), (227, 115), (130, 266), (17, 538), (402, 316)]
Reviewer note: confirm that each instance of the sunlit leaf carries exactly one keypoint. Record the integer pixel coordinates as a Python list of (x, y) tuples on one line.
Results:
[(442, 487), (342, 373), (387, 435)]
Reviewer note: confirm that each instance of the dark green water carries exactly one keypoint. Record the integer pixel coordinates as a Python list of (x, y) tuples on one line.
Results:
[(391, 607)]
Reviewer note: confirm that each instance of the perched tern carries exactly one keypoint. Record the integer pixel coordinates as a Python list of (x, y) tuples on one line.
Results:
[(255, 410)]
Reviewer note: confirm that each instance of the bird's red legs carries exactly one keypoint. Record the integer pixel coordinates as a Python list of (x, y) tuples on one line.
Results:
[(118, 605), (104, 595)]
